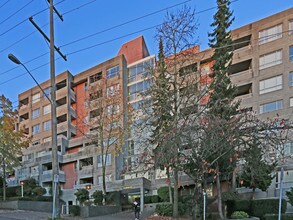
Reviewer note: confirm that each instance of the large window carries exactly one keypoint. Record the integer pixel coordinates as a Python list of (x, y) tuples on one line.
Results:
[(271, 59), (140, 70), (36, 97), (270, 85), (47, 125), (47, 93), (136, 89), (271, 106), (270, 34), (36, 129), (46, 109), (36, 113), (113, 109), (291, 27), (291, 53), (113, 90), (108, 160), (94, 78), (112, 72)]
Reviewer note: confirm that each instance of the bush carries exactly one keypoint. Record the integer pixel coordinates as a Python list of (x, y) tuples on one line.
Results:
[(275, 217), (155, 199), (238, 205), (239, 215), (74, 210), (229, 196), (289, 194), (82, 195), (261, 207), (166, 209), (163, 193), (147, 199), (98, 197), (39, 191), (110, 197)]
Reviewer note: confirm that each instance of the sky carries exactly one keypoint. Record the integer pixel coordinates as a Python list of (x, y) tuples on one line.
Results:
[(101, 27)]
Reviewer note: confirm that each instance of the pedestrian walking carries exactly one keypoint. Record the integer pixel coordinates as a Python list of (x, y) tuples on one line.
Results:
[(136, 205)]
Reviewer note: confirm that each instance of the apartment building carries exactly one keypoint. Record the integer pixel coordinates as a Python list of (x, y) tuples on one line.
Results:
[(262, 69)]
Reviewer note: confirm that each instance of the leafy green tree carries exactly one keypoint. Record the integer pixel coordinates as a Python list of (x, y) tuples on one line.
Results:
[(82, 195), (221, 103), (11, 140), (98, 197)]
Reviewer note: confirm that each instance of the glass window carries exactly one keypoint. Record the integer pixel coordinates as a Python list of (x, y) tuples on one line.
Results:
[(140, 70), (108, 160), (113, 109), (36, 129), (271, 106), (47, 92), (291, 79), (47, 125), (86, 88), (46, 109), (291, 53), (36, 113), (136, 89), (270, 85), (270, 34), (112, 72), (113, 90), (94, 78), (291, 27), (36, 97), (291, 102), (47, 139), (271, 59)]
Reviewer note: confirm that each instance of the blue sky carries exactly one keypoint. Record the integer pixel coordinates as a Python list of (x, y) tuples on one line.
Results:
[(18, 36)]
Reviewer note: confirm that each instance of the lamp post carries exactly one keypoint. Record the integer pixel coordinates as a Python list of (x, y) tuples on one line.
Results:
[(21, 184), (55, 165)]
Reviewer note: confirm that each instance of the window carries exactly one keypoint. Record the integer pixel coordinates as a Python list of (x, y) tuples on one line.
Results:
[(270, 59), (36, 113), (36, 97), (47, 93), (270, 85), (37, 142), (291, 27), (113, 90), (95, 113), (86, 104), (108, 178), (47, 139), (271, 106), (96, 77), (291, 102), (188, 69), (270, 34), (46, 109), (135, 89), (108, 160), (47, 125), (113, 109), (139, 71), (112, 72), (86, 88), (96, 95), (291, 53), (36, 129)]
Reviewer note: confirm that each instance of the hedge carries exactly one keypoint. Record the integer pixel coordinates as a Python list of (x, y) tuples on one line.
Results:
[(147, 199), (261, 207), (275, 216), (166, 209), (155, 199), (238, 205), (74, 210)]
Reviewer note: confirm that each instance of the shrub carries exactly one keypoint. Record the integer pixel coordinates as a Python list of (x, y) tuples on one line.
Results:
[(275, 217), (82, 195), (166, 209), (163, 193), (98, 197), (289, 194), (38, 191), (238, 205), (74, 210), (261, 207), (147, 199), (229, 196), (239, 215), (155, 199)]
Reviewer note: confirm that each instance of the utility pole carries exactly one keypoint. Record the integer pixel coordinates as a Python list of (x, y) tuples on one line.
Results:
[(55, 163)]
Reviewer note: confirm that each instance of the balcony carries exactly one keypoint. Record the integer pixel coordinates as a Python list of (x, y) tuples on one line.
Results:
[(47, 176), (61, 93), (242, 76), (46, 157), (72, 96), (62, 127), (82, 186), (86, 171)]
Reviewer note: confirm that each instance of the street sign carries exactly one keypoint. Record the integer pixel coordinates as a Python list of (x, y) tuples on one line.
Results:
[(56, 178)]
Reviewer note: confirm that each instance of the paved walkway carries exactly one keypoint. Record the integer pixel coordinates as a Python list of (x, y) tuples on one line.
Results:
[(29, 215)]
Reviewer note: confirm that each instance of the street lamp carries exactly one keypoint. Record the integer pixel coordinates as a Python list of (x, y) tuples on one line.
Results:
[(55, 165), (17, 61), (21, 184), (88, 187)]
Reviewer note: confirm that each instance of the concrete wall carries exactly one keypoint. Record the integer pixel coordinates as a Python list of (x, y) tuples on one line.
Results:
[(27, 205), (91, 211)]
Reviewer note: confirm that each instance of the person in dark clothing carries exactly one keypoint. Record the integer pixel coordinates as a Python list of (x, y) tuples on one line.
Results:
[(136, 205)]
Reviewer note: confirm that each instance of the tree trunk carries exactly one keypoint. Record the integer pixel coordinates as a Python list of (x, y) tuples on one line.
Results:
[(4, 182), (175, 204), (233, 187), (169, 185), (219, 191), (195, 207), (104, 192)]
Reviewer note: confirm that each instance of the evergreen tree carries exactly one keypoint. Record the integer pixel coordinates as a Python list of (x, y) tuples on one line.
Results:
[(221, 102)]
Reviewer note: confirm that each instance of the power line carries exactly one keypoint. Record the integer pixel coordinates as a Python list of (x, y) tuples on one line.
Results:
[(10, 16), (21, 22), (122, 24), (4, 3)]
